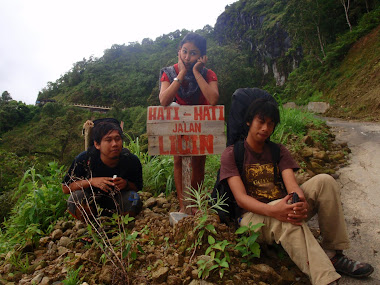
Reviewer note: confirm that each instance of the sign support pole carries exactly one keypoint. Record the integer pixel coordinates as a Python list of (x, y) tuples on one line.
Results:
[(186, 181)]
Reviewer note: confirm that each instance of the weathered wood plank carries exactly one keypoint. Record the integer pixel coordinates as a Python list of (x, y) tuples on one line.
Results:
[(186, 130)]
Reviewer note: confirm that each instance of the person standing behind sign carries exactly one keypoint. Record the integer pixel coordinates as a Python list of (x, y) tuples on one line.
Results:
[(188, 82)]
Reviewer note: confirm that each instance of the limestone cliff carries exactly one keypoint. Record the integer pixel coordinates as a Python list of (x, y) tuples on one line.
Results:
[(258, 30)]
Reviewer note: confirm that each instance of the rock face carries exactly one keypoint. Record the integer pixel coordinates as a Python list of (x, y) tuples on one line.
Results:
[(268, 42)]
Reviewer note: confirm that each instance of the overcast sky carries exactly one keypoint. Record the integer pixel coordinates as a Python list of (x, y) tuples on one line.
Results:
[(42, 39)]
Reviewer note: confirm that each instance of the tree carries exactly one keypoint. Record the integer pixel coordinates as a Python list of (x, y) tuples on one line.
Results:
[(5, 97), (346, 8)]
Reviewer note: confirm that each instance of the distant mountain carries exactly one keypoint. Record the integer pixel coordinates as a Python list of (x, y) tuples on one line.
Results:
[(255, 43)]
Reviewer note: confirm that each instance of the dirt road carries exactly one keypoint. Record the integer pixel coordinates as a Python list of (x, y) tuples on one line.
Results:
[(360, 192)]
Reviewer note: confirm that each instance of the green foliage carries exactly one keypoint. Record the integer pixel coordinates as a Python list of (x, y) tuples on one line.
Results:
[(246, 243), (40, 203), (201, 199), (294, 123), (157, 170), (201, 228), (11, 168), (13, 113), (6, 205), (119, 246), (343, 43), (211, 167), (53, 134), (319, 76), (134, 119), (219, 258), (158, 175), (20, 262), (72, 277)]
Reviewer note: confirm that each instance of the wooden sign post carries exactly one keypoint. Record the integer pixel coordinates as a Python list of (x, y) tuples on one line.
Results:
[(186, 131)]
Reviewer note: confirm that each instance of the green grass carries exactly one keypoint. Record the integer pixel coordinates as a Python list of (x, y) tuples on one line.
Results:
[(294, 123), (40, 204)]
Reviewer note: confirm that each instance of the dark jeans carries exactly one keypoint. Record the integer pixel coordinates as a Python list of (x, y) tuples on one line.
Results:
[(85, 202)]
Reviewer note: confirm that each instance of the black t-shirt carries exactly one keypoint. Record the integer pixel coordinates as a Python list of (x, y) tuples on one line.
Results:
[(85, 166)]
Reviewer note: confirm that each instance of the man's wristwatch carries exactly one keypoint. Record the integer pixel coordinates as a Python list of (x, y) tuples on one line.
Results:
[(178, 80)]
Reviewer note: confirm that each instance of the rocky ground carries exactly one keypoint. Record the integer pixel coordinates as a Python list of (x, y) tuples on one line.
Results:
[(154, 252)]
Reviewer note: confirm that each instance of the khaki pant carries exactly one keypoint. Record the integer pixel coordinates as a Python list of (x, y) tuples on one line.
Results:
[(323, 197)]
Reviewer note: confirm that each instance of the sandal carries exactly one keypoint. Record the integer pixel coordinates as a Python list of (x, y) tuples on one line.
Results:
[(347, 266)]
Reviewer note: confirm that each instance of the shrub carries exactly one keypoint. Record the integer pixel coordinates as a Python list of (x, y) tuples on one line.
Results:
[(40, 203)]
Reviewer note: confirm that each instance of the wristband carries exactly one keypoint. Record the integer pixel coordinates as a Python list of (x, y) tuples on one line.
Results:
[(178, 80)]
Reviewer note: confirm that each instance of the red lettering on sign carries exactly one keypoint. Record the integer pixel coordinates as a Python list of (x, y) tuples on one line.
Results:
[(206, 114), (187, 128), (160, 115), (197, 127), (176, 117), (194, 139), (221, 113), (181, 140), (187, 145), (213, 108), (203, 113), (161, 146), (168, 113), (206, 142), (152, 113), (172, 144), (198, 114)]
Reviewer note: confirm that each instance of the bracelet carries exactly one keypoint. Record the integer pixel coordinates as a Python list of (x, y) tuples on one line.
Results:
[(178, 80), (196, 79)]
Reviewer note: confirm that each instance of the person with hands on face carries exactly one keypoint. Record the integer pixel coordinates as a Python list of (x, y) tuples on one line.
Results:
[(189, 82), (106, 174), (264, 201)]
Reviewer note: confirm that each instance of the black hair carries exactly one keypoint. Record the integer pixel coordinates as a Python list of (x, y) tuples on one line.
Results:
[(263, 107), (198, 40), (103, 128)]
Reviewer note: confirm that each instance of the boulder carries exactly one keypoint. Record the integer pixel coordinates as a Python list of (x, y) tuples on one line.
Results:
[(318, 107), (160, 275)]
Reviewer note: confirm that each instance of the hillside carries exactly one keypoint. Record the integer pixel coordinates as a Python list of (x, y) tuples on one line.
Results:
[(291, 48), (357, 93)]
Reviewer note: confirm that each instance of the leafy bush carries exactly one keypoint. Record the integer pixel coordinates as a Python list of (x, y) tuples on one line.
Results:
[(247, 245), (12, 167), (40, 203)]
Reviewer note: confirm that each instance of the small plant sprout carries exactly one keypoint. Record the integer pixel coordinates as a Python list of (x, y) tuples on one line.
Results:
[(219, 258), (201, 199), (247, 245), (72, 277)]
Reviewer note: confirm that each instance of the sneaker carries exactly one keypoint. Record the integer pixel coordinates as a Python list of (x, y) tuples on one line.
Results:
[(347, 266)]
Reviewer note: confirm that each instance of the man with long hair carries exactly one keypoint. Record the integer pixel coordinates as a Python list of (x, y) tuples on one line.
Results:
[(106, 176)]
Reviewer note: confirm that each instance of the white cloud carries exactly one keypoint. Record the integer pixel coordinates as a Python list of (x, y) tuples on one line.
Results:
[(42, 39)]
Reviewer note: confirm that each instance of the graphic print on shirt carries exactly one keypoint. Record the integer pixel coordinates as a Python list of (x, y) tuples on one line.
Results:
[(260, 183)]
